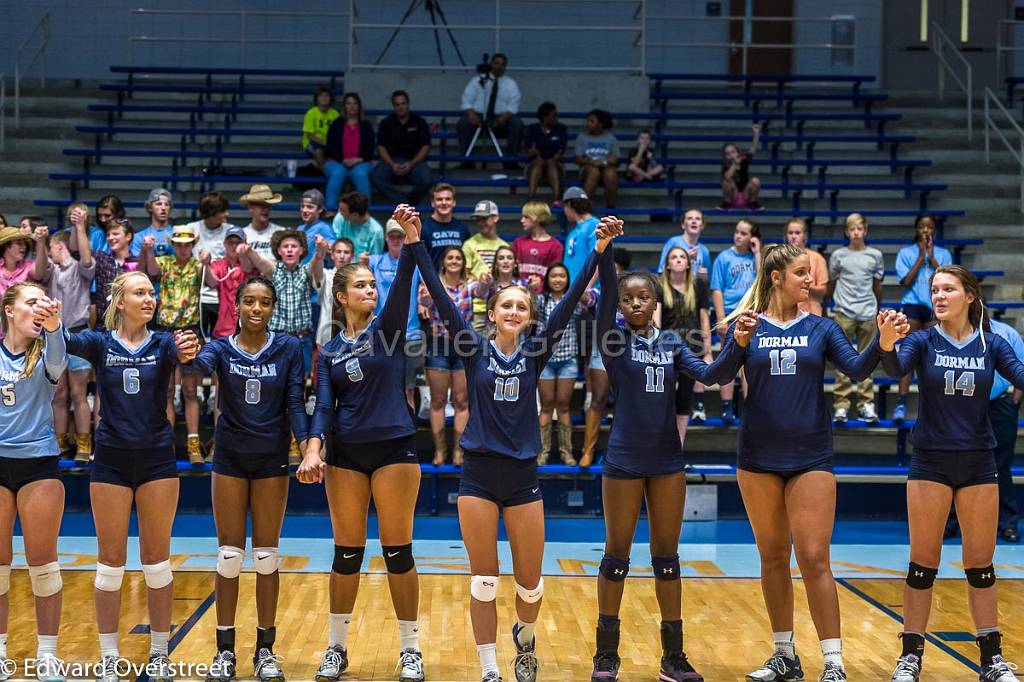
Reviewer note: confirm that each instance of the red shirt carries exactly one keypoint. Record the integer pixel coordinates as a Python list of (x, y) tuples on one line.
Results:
[(350, 141), (535, 257), (230, 279)]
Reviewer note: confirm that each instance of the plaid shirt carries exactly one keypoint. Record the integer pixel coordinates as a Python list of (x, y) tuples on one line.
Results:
[(567, 347), (293, 313), (461, 295), (107, 270)]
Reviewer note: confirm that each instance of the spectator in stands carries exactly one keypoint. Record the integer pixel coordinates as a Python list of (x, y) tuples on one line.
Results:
[(311, 211), (491, 99), (342, 252), (693, 227), (211, 227), (440, 228), (739, 190), (855, 276), (796, 234), (225, 274), (403, 144), (581, 239), (14, 247), (597, 155), (316, 122), (260, 200), (643, 165), (1003, 409), (28, 223), (479, 252), (503, 273), (545, 144), (732, 274), (116, 260), (915, 265), (354, 222), (3, 220), (536, 250), (108, 208), (158, 205), (348, 155)]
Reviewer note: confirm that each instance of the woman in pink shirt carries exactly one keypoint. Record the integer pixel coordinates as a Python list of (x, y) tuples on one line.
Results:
[(14, 263), (349, 151)]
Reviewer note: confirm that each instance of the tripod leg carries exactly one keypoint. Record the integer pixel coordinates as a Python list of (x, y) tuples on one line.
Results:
[(437, 37), (394, 34), (472, 143), (494, 139), (451, 36)]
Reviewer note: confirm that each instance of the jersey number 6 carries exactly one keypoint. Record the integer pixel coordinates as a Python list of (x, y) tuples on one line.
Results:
[(130, 380)]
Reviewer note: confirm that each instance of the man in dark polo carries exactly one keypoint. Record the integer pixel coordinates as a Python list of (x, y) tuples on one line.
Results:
[(403, 142)]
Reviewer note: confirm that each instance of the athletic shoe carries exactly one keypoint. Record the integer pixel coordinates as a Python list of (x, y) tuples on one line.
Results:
[(675, 668), (832, 673), (7, 668), (867, 413), (491, 677), (159, 668), (840, 415), (900, 413), (908, 669), (999, 670), (449, 410), (223, 667), (606, 667), (195, 450), (778, 668), (525, 663), (334, 663), (698, 415), (265, 666), (49, 668), (109, 670), (83, 453), (729, 415), (410, 662)]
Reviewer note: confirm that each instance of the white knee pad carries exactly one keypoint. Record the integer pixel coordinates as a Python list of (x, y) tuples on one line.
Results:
[(5, 580), (45, 579), (531, 596), (229, 561), (109, 578), (157, 575), (484, 587), (266, 559)]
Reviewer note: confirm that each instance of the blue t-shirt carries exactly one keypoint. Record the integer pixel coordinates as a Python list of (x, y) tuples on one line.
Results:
[(732, 274), (26, 417), (161, 237), (318, 228), (579, 245), (439, 236), (1000, 384), (384, 269), (703, 259), (920, 291), (261, 396), (954, 383)]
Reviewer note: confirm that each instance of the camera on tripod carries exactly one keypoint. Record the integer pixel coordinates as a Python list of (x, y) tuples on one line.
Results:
[(483, 69)]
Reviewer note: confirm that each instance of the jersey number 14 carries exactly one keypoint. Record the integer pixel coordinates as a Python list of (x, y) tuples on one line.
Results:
[(964, 383)]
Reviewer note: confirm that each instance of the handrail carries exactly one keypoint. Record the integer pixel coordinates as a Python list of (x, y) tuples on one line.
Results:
[(1018, 152), (938, 42), (40, 52), (1007, 46)]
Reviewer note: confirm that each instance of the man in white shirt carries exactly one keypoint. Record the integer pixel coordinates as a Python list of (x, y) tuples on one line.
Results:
[(494, 99), (259, 200)]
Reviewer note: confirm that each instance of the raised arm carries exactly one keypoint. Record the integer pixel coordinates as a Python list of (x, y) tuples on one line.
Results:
[(206, 360), (46, 313), (395, 314), (607, 304), (446, 308), (150, 265), (85, 344)]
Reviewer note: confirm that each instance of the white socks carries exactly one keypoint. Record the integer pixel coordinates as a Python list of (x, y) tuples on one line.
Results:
[(3, 645), (784, 643), (158, 642), (46, 646), (108, 645), (525, 633), (488, 654), (832, 651), (339, 629), (409, 635)]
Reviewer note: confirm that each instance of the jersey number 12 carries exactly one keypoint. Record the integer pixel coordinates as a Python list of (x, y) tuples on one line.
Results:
[(783, 362)]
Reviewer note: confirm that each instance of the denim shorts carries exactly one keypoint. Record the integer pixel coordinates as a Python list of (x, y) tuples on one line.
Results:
[(596, 361), (560, 369), (78, 364), (441, 355)]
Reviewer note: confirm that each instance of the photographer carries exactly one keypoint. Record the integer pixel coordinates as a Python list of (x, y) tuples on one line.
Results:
[(491, 97)]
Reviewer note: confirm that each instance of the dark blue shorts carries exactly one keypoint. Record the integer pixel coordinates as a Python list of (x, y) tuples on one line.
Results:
[(366, 458), (18, 472), (611, 470), (921, 313), (505, 481), (787, 474), (953, 468), (250, 465), (132, 468)]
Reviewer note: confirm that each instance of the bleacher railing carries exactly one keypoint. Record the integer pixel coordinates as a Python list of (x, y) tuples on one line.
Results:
[(1016, 149), (940, 45), (38, 40), (1006, 46)]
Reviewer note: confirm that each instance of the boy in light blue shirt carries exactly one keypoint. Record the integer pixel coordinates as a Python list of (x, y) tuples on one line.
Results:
[(693, 226)]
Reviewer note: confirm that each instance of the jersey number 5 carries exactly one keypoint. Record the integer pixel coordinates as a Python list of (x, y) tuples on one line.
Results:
[(7, 395), (964, 384), (130, 380), (783, 362), (506, 389)]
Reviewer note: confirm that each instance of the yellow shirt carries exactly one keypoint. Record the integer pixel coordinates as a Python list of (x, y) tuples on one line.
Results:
[(317, 122)]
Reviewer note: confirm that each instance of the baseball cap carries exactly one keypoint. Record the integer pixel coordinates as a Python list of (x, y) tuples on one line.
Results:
[(574, 193), (234, 231), (485, 209), (314, 196), (183, 234), (159, 193), (393, 226)]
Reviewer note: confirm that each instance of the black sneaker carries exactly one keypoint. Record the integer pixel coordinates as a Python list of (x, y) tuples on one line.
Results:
[(999, 670), (675, 668), (222, 669), (525, 663), (832, 673), (606, 667), (778, 668), (266, 666)]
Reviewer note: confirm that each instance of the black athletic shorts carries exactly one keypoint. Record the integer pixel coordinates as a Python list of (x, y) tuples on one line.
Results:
[(957, 469), (132, 468), (788, 474), (18, 472), (250, 465), (366, 458), (505, 481), (611, 470), (684, 395), (921, 313)]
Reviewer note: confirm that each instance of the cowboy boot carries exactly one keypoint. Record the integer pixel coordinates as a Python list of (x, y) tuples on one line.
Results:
[(565, 444), (590, 433), (457, 450), (545, 444), (440, 448)]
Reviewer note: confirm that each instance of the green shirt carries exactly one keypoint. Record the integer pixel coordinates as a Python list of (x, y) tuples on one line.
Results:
[(179, 292), (368, 236), (317, 122)]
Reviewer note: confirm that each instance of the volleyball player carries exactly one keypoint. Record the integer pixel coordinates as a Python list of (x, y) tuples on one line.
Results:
[(134, 461), (644, 459), (953, 461), (361, 411), (501, 443), (262, 379), (785, 451), (32, 358)]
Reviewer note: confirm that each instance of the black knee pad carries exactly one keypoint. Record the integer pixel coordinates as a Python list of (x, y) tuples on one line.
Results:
[(614, 569), (398, 558), (347, 560), (921, 577), (666, 567), (981, 577)]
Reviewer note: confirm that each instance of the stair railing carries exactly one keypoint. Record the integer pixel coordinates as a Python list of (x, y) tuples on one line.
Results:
[(1016, 148), (32, 49), (940, 43)]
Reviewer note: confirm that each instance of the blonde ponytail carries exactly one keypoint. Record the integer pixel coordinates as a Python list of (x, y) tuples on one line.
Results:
[(774, 258)]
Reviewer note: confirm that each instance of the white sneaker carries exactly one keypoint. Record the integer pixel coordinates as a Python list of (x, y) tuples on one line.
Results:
[(867, 413), (424, 413), (449, 410), (586, 402), (50, 669), (840, 415)]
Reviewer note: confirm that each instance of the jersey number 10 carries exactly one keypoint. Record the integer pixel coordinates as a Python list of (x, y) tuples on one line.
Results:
[(506, 390), (964, 384)]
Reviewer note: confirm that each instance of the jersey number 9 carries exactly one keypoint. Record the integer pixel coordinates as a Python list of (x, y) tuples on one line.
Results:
[(354, 370), (7, 395), (130, 380)]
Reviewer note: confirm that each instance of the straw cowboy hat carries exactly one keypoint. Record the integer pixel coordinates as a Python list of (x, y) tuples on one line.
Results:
[(13, 234), (261, 194)]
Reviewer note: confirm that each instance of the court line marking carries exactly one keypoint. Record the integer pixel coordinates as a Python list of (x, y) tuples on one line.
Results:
[(935, 641), (183, 631)]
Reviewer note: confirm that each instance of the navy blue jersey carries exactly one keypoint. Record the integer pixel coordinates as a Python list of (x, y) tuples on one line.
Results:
[(502, 388), (642, 373), (260, 396), (132, 387), (360, 382), (786, 422), (954, 380)]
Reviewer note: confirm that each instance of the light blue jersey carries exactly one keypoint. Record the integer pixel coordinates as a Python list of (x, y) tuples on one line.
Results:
[(384, 269), (703, 259), (579, 245), (732, 274), (999, 383), (26, 418), (920, 292)]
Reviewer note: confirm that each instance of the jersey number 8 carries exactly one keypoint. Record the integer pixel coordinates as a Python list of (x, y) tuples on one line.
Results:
[(506, 389), (783, 362), (253, 388), (964, 384), (130, 380)]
